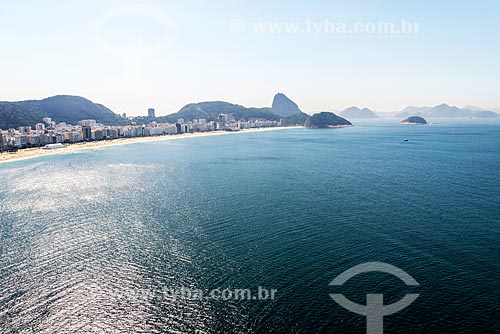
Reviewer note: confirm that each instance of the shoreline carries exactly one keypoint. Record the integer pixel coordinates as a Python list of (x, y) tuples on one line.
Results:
[(331, 127), (31, 153)]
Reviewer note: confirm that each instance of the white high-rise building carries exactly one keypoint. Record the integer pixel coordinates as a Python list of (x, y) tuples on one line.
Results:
[(88, 122)]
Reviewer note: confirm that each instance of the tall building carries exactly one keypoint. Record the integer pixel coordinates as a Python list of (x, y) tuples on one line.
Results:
[(87, 132), (222, 120), (151, 113)]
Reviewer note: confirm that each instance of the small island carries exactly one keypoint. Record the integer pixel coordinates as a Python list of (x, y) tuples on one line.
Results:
[(324, 120), (414, 120)]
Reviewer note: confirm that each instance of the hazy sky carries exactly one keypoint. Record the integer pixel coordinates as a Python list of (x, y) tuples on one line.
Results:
[(165, 54)]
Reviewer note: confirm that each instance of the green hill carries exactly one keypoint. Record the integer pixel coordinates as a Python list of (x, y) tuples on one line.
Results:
[(296, 119), (210, 111), (325, 120), (61, 108)]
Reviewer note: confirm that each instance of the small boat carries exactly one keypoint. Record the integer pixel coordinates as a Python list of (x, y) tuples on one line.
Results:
[(405, 139)]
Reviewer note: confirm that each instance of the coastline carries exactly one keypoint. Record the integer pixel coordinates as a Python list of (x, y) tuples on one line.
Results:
[(30, 153), (330, 127)]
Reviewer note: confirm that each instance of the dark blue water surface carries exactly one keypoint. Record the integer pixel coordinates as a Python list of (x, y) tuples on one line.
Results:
[(90, 241)]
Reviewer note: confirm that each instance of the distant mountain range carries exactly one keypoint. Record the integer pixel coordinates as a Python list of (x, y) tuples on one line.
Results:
[(72, 109), (446, 111), (355, 112), (61, 108)]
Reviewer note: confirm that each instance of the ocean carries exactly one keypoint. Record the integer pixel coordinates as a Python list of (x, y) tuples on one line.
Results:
[(103, 240)]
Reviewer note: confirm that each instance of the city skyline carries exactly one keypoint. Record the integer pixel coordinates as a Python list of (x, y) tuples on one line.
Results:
[(154, 54)]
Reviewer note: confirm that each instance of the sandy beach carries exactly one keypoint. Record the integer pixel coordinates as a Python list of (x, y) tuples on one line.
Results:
[(31, 153)]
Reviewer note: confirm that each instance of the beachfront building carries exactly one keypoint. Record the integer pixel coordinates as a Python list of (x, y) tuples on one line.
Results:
[(40, 127), (222, 121), (20, 140), (49, 132), (86, 132), (24, 129)]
